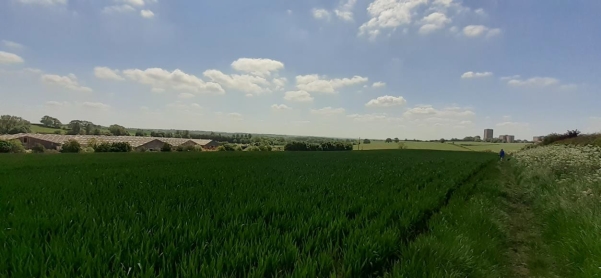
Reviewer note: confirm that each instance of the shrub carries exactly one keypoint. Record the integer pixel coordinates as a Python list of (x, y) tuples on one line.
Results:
[(402, 146), (16, 146), (5, 146), (38, 148), (227, 148), (166, 148), (71, 146), (103, 147), (121, 147), (142, 149), (180, 148)]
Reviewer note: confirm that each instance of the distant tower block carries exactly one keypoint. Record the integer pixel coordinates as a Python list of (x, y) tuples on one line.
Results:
[(488, 134)]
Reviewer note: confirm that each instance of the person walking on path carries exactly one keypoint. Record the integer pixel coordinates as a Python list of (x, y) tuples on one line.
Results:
[(502, 154)]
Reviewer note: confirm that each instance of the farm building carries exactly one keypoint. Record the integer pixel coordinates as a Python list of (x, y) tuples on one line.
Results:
[(54, 141)]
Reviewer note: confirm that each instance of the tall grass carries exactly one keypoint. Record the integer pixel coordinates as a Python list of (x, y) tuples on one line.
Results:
[(221, 214), (564, 186)]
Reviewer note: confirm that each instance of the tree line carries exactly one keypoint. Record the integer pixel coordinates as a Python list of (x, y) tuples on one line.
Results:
[(326, 146)]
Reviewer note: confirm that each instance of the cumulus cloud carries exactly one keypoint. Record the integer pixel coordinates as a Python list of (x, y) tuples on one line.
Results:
[(473, 31), (107, 73), (10, 58), (345, 10), (44, 2), (471, 74), (389, 14), (146, 13), (368, 118), (260, 67), (280, 107), (298, 96), (138, 3), (321, 14), (505, 78), (178, 80), (12, 44), (315, 83), (433, 22), (328, 111), (379, 84), (428, 111), (386, 101), (69, 82), (54, 103), (244, 83), (279, 83), (534, 82)]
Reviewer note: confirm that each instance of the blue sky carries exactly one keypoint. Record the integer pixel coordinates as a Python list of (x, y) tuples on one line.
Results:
[(353, 68)]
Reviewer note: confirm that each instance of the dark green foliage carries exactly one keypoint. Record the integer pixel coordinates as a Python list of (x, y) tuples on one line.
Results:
[(38, 148), (13, 125), (102, 147), (227, 148), (166, 148), (121, 147), (265, 214), (51, 122), (555, 137), (71, 146), (117, 130), (327, 146), (366, 141), (5, 146), (388, 140)]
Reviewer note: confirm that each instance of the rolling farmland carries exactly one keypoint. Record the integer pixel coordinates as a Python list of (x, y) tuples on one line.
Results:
[(312, 214)]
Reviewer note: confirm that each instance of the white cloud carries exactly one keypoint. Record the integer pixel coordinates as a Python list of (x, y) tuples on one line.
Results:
[(368, 118), (235, 116), (11, 44), (298, 96), (44, 2), (118, 9), (10, 58), (328, 111), (428, 111), (480, 12), (345, 10), (177, 80), (96, 105), (479, 30), (138, 3), (512, 124), (279, 83), (386, 101), (261, 67), (389, 14), (70, 82), (534, 82), (146, 13), (471, 74), (433, 22), (185, 96), (242, 83), (107, 73), (280, 107), (379, 84), (315, 83), (289, 11), (321, 14), (185, 107)]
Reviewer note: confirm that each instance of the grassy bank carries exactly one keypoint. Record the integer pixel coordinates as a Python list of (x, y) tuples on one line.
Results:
[(563, 189)]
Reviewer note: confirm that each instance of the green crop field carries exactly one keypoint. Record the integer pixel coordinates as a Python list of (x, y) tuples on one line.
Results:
[(37, 128), (447, 146), (242, 214)]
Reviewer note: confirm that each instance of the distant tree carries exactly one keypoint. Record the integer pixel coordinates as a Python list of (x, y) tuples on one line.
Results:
[(59, 132), (186, 134), (118, 130), (477, 138), (96, 131), (71, 146), (5, 146), (13, 125), (38, 148), (396, 140), (16, 146), (442, 140), (469, 139), (90, 128), (366, 141), (388, 140), (121, 147), (81, 127), (51, 122), (140, 133)]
